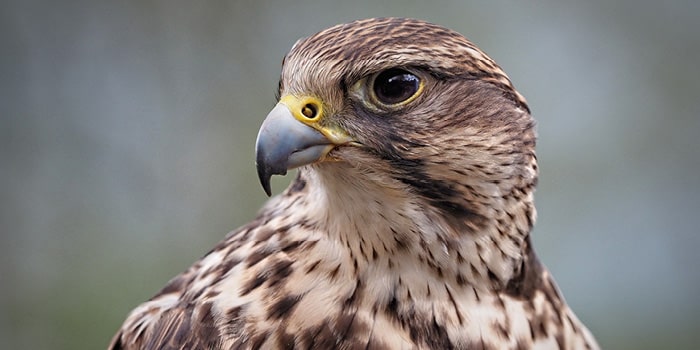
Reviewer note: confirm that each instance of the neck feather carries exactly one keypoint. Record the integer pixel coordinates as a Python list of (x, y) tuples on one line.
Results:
[(389, 233)]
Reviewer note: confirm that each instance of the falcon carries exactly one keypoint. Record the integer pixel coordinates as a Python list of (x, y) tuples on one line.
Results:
[(407, 226)]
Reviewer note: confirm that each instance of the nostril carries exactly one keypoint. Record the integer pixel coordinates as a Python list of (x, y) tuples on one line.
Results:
[(309, 110)]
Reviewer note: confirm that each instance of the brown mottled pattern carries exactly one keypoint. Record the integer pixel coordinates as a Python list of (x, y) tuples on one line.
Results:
[(414, 237)]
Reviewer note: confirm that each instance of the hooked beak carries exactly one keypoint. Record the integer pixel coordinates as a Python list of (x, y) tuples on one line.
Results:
[(291, 136)]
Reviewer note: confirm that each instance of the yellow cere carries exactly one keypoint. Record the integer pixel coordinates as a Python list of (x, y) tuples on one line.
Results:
[(305, 109), (309, 110)]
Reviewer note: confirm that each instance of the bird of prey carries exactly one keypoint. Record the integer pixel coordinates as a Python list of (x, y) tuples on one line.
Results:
[(407, 226)]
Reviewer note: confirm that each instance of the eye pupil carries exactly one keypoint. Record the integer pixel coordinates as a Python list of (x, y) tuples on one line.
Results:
[(395, 85)]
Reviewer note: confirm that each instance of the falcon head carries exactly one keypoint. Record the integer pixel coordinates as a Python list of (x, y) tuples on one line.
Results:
[(403, 116)]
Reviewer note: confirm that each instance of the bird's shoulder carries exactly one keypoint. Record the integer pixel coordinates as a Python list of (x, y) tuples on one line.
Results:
[(186, 312), (276, 276), (278, 282)]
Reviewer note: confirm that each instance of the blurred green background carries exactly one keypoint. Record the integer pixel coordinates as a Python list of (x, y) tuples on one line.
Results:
[(127, 132)]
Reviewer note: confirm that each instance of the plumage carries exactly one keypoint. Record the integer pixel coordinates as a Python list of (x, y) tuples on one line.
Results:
[(407, 226)]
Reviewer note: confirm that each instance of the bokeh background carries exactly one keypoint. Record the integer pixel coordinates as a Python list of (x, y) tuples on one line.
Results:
[(127, 132)]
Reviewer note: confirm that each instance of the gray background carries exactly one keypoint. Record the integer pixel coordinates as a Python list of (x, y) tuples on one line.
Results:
[(127, 131)]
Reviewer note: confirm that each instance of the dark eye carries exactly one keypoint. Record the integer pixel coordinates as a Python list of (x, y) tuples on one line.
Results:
[(395, 85)]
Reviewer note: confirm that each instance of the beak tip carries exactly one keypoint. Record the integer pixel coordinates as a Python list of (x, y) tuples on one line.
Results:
[(264, 176), (268, 190), (265, 172)]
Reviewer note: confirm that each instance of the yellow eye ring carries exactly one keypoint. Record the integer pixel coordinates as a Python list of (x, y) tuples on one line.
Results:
[(395, 87)]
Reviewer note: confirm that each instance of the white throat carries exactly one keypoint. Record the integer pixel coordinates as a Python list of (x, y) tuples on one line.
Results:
[(390, 235)]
